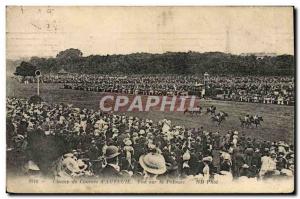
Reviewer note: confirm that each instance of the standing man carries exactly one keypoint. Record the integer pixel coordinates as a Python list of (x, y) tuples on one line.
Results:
[(112, 168)]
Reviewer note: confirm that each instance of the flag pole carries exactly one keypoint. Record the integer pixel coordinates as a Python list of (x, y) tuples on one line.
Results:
[(38, 74), (38, 86)]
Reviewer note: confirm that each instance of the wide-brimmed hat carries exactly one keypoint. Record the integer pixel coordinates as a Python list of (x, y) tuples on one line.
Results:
[(151, 146), (115, 130), (111, 152), (287, 172), (245, 166), (128, 142), (153, 163), (207, 159), (281, 143), (68, 155), (276, 173), (32, 166), (18, 138), (226, 156), (149, 134)]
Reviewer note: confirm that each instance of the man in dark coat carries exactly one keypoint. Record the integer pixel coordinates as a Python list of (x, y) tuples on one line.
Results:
[(237, 161), (112, 169)]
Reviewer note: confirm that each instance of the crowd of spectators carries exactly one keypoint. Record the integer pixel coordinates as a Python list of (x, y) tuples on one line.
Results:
[(66, 142), (254, 89)]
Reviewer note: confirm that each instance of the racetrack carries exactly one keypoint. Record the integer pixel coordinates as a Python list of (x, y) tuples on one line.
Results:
[(278, 121)]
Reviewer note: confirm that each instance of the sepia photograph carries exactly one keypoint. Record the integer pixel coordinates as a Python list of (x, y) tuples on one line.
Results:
[(150, 99)]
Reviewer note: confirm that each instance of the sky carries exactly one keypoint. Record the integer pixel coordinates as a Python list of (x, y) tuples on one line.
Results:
[(45, 31)]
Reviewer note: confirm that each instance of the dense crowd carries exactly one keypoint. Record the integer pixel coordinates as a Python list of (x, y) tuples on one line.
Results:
[(65, 142), (269, 90)]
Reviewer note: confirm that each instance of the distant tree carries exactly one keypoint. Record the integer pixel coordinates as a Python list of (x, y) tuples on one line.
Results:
[(26, 69), (167, 63), (69, 54)]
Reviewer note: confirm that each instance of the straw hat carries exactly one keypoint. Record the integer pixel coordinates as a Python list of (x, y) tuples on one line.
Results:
[(151, 146), (115, 130), (128, 142), (207, 159), (32, 166), (153, 163), (281, 143), (18, 138), (245, 166), (287, 172), (68, 155), (135, 134), (276, 173)]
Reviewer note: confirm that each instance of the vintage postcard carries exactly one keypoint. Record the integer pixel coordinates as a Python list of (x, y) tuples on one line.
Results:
[(150, 99)]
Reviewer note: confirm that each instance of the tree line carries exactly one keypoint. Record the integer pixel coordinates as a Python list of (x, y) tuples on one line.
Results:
[(72, 61)]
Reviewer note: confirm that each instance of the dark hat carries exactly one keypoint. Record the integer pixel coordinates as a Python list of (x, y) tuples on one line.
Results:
[(111, 152)]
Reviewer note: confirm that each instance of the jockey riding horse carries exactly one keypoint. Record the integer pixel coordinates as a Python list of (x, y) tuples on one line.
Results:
[(211, 110), (248, 120), (256, 120), (219, 117)]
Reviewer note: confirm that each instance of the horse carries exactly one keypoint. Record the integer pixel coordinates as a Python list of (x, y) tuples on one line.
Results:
[(256, 121), (251, 120), (193, 111), (222, 114), (211, 110), (244, 123), (219, 119)]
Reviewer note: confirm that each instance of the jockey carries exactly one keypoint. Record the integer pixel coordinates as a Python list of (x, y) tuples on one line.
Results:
[(247, 118), (255, 117), (221, 114)]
